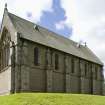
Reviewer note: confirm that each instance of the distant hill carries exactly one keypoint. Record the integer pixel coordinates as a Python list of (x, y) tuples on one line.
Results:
[(51, 99)]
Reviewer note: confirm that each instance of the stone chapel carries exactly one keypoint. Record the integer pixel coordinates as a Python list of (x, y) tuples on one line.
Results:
[(34, 59)]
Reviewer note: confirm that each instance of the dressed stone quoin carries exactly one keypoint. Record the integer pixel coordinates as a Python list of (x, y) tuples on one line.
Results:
[(34, 59)]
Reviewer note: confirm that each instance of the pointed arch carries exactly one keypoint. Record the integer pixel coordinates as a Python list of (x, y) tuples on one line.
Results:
[(4, 48), (5, 34)]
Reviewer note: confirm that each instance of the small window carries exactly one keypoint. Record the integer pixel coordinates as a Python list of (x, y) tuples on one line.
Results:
[(36, 56), (72, 65), (96, 72), (85, 69), (56, 61)]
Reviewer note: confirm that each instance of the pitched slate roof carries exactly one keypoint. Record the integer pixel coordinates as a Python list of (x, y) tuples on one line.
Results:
[(51, 39)]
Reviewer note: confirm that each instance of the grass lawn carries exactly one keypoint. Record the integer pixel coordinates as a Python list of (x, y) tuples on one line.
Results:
[(51, 99)]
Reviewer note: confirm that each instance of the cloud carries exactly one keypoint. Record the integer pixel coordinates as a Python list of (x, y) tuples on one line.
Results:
[(29, 9), (54, 20), (87, 18), (60, 25)]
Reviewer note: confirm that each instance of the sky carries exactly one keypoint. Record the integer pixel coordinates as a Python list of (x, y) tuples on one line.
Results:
[(79, 20)]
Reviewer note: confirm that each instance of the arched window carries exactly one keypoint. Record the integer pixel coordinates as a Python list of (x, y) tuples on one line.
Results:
[(96, 72), (7, 54), (72, 65), (5, 48), (56, 61), (36, 56), (85, 69)]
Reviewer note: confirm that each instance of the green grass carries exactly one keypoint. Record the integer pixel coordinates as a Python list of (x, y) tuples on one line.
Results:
[(51, 99)]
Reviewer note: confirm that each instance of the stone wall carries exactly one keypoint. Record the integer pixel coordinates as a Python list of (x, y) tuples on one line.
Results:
[(6, 76), (45, 78), (5, 81)]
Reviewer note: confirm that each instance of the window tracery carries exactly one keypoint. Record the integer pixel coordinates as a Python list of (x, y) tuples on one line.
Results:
[(4, 49)]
